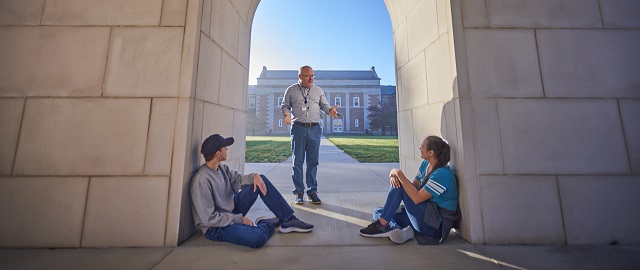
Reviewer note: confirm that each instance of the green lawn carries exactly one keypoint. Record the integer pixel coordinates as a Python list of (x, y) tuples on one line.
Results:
[(267, 149), (368, 149)]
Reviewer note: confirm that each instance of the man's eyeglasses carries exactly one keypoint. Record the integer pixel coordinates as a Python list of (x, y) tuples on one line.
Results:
[(308, 76)]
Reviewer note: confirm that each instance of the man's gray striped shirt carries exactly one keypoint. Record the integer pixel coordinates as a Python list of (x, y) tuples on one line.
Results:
[(293, 103)]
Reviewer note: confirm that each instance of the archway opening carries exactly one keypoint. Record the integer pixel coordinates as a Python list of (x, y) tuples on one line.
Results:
[(423, 67)]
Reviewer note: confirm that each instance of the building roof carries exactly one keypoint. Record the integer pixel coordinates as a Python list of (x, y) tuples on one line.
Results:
[(387, 90), (252, 90), (322, 74)]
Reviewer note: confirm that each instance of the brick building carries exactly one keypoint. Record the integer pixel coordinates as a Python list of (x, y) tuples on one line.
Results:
[(353, 90)]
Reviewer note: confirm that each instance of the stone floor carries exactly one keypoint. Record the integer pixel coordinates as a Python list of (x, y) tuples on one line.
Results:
[(350, 191)]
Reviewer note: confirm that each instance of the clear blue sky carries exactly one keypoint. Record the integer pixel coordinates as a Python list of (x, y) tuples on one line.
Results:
[(324, 34)]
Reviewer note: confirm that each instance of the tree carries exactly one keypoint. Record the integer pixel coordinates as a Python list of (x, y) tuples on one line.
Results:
[(255, 123), (383, 115)]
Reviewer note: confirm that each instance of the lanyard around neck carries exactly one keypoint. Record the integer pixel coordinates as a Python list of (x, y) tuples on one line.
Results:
[(303, 94)]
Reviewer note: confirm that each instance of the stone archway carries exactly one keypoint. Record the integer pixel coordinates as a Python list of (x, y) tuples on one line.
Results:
[(423, 36), (95, 126)]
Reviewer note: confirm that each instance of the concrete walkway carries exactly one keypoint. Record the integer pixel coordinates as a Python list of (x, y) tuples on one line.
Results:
[(349, 191)]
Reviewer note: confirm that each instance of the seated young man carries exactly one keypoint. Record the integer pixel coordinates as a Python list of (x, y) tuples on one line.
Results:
[(221, 199)]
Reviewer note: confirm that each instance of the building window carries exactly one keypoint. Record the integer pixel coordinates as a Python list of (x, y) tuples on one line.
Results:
[(337, 125), (356, 101), (338, 101), (280, 99), (356, 123), (252, 102), (279, 122)]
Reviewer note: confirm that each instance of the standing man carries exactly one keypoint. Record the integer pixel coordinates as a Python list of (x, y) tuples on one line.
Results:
[(305, 101)]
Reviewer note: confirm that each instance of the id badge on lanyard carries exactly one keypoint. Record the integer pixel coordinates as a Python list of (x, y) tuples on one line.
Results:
[(306, 106)]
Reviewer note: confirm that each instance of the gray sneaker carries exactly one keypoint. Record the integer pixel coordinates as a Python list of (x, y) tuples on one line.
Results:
[(273, 220), (295, 225), (399, 236)]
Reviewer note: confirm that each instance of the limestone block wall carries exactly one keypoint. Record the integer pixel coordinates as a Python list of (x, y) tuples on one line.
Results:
[(549, 94), (220, 97), (222, 72), (425, 71), (90, 93), (426, 77)]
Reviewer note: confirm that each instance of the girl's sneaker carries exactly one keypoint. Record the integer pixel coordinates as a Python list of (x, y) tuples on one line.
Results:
[(376, 229), (401, 236)]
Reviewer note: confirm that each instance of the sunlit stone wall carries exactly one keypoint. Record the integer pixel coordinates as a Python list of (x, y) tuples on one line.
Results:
[(545, 100)]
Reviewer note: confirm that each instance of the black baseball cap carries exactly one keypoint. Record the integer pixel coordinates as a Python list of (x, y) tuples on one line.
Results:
[(214, 143)]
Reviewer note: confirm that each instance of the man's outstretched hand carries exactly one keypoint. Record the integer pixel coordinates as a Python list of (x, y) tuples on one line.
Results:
[(333, 112)]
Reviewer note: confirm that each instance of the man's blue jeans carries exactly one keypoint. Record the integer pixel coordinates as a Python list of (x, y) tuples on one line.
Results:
[(252, 236), (305, 140), (413, 215)]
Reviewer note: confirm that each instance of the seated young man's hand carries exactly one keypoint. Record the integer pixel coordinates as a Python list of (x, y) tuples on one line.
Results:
[(247, 221), (258, 183)]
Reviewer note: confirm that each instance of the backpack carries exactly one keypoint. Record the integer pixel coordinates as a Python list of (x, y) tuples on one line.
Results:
[(433, 215), (438, 217)]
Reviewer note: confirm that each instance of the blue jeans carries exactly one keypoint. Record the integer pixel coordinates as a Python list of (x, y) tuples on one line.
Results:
[(413, 215), (252, 236), (305, 140)]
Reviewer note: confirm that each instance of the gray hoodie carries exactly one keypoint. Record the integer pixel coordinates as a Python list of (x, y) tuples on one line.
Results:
[(212, 196)]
